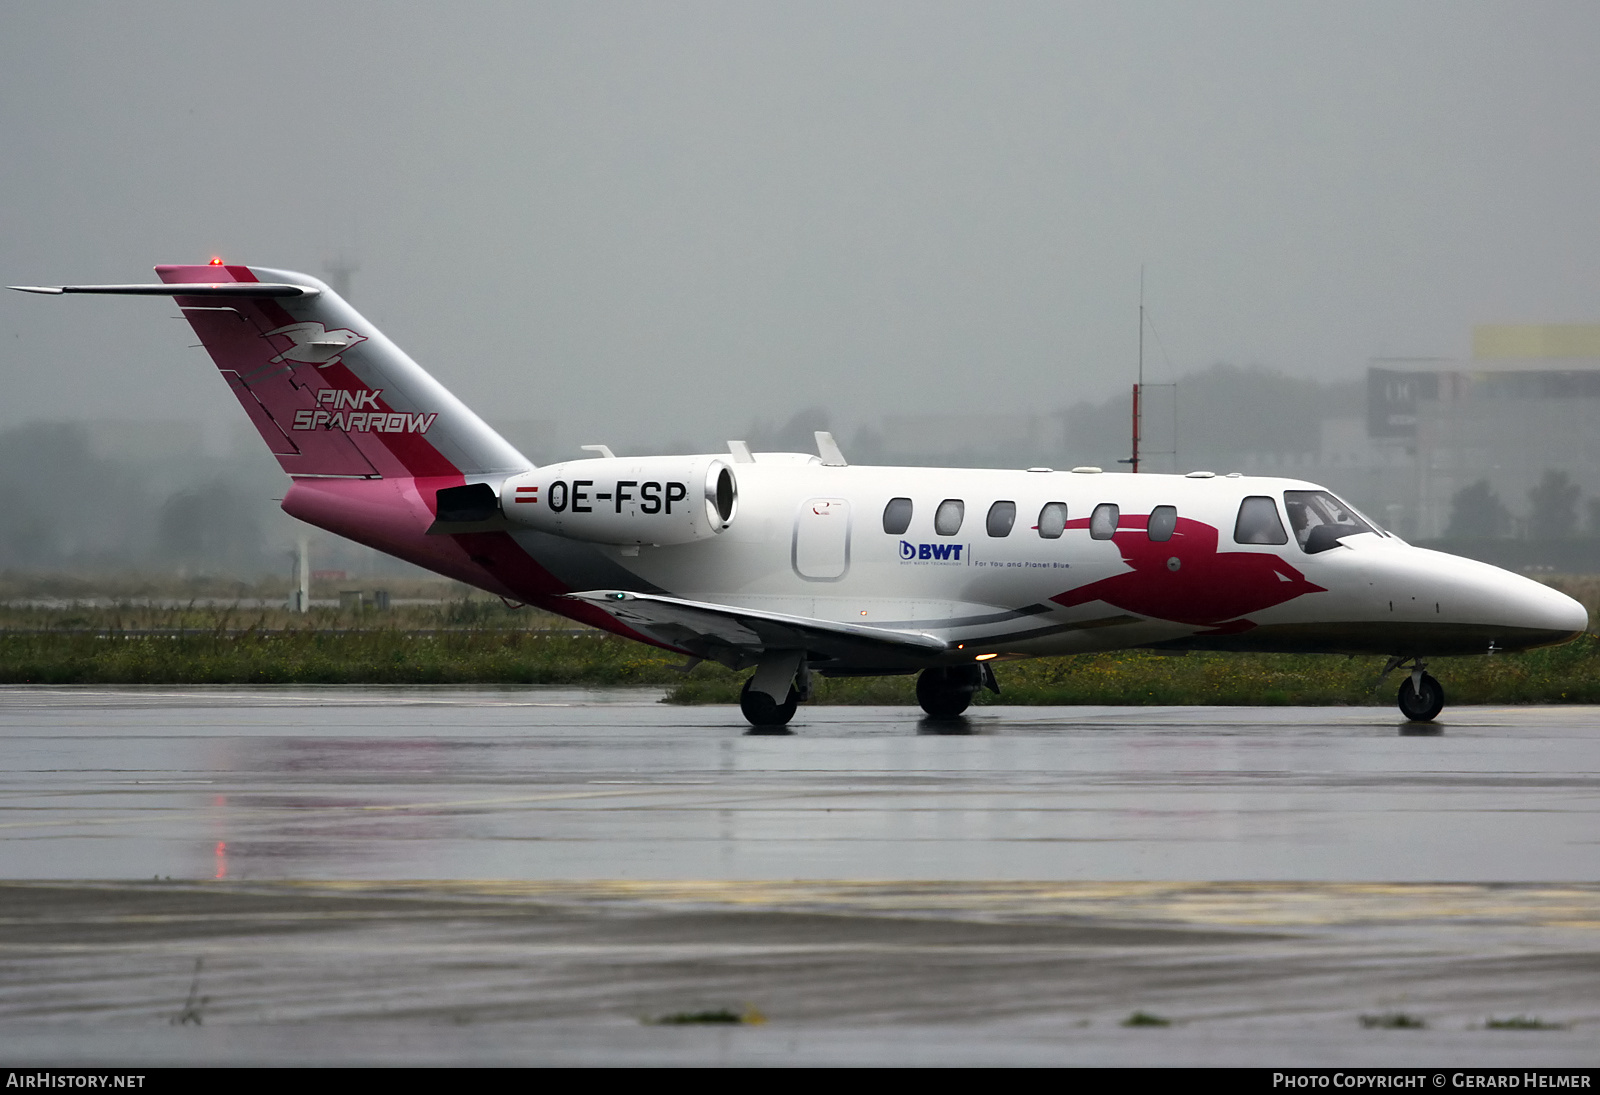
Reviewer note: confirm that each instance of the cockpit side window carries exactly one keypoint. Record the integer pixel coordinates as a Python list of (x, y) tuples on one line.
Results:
[(1258, 522), (1052, 520), (1103, 521), (1320, 520), (1002, 515), (947, 518), (897, 516)]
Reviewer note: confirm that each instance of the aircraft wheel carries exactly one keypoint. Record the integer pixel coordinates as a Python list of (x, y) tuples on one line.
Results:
[(947, 691), (761, 709), (1424, 704)]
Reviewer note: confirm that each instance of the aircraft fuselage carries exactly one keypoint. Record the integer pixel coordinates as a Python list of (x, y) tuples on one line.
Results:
[(810, 540)]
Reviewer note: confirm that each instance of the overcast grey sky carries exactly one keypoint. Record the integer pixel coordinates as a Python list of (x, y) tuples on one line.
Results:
[(665, 219)]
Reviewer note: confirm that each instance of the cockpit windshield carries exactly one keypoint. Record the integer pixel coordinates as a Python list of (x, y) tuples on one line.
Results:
[(1320, 520)]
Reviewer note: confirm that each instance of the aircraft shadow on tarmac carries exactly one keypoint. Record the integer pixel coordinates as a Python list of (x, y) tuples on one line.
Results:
[(956, 727), (959, 726)]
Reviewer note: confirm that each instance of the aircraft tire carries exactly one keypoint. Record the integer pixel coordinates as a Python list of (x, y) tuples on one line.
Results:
[(946, 692), (1423, 705), (760, 709)]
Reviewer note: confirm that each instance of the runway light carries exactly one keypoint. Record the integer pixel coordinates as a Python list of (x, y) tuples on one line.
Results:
[(986, 657), (216, 260)]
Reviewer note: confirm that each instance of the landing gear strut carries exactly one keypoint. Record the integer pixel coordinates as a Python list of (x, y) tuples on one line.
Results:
[(1421, 697), (947, 691)]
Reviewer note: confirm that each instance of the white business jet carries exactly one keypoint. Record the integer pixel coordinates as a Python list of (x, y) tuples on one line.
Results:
[(793, 564)]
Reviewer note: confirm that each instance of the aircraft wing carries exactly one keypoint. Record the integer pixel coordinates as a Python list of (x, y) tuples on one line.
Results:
[(737, 637)]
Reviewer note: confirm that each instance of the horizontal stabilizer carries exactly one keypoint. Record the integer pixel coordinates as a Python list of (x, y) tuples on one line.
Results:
[(736, 637), (225, 289)]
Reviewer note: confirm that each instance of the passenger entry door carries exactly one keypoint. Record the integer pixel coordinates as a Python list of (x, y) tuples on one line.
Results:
[(821, 551)]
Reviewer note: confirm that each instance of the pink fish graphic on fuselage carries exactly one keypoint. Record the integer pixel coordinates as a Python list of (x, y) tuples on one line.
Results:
[(1187, 580)]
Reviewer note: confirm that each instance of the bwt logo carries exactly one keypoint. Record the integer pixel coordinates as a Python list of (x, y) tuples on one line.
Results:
[(930, 553)]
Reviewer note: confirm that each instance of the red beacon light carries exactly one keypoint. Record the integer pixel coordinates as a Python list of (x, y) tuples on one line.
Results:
[(216, 260)]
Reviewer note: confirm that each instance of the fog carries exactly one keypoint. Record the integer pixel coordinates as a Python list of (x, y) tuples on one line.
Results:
[(659, 226)]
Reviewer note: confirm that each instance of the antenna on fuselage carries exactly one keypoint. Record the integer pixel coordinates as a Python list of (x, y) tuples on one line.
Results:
[(1141, 391), (1139, 383)]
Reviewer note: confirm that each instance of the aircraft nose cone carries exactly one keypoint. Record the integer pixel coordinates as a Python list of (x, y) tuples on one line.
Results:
[(1552, 610), (1512, 611)]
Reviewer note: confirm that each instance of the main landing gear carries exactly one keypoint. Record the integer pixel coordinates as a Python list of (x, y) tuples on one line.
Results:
[(762, 711), (1421, 697), (947, 691), (780, 672), (944, 692)]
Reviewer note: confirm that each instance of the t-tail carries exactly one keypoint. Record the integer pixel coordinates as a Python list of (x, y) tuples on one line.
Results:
[(329, 394), (368, 435)]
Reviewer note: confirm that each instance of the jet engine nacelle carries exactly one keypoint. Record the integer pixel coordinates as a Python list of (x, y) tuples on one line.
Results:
[(622, 500)]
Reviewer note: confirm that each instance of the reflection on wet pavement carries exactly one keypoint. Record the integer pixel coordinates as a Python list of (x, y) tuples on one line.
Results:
[(552, 784), (522, 876)]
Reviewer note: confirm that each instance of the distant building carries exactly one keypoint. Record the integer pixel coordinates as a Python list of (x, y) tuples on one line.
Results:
[(1527, 400)]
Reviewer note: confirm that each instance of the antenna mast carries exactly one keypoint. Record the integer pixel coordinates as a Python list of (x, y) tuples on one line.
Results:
[(1138, 387)]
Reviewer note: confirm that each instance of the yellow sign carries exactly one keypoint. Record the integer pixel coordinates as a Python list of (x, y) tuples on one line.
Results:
[(1536, 340)]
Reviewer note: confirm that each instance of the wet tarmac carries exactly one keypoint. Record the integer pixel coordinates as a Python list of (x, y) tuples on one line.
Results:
[(342, 783), (524, 876)]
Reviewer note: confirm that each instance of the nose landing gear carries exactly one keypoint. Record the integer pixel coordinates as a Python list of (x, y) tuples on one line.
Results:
[(1421, 700), (1421, 697)]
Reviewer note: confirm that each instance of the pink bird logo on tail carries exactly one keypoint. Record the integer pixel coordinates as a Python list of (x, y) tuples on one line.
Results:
[(314, 344)]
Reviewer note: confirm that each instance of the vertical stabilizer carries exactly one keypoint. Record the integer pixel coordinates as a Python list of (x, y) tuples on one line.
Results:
[(328, 392)]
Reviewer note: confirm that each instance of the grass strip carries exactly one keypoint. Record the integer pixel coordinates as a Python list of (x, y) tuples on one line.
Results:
[(380, 656), (1567, 674)]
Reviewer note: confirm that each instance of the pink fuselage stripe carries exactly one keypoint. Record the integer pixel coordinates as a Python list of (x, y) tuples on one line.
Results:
[(393, 515)]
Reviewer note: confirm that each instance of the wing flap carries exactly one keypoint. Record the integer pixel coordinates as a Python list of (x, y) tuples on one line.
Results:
[(737, 637)]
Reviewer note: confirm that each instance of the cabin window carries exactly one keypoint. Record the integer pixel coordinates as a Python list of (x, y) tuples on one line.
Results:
[(1163, 522), (1258, 522), (1103, 521), (1002, 515), (1052, 519), (947, 518), (1320, 520), (897, 516)]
